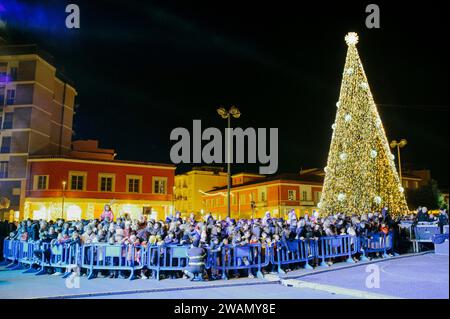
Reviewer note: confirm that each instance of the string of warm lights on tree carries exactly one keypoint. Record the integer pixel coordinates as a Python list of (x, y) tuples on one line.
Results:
[(360, 175)]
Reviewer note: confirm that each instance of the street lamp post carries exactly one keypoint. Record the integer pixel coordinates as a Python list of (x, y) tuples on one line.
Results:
[(232, 112), (62, 205), (399, 145)]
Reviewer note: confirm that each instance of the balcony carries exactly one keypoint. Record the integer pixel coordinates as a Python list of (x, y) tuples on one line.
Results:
[(5, 150)]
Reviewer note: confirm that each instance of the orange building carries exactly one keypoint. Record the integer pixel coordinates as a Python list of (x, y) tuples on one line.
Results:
[(253, 195), (76, 188)]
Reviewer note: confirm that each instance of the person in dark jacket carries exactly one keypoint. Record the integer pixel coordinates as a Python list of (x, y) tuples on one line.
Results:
[(196, 266), (442, 219)]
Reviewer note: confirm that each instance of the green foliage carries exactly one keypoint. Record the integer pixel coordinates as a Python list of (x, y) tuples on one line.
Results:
[(427, 195)]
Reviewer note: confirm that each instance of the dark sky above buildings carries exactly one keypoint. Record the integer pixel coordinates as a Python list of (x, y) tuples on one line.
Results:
[(142, 68)]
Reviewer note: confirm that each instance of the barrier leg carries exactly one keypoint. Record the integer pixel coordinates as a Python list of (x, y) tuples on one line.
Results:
[(259, 274), (41, 271), (16, 267), (132, 276), (364, 257), (323, 263), (11, 265), (91, 274), (280, 270), (224, 275), (30, 270), (350, 260), (308, 266)]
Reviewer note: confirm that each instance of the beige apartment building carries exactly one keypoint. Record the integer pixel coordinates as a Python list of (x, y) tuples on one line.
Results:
[(36, 114), (191, 186)]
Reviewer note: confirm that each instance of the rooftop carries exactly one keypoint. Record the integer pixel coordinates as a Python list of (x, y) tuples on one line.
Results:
[(71, 158), (307, 178)]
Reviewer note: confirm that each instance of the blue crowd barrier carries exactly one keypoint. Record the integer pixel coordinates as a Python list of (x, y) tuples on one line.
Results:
[(439, 238), (167, 258), (93, 258), (293, 252), (97, 257), (337, 246), (424, 233), (247, 257), (12, 253), (25, 255), (445, 229), (376, 243)]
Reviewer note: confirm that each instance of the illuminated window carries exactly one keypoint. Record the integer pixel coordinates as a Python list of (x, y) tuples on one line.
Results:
[(77, 181), (160, 185), (73, 212), (318, 196), (106, 182), (291, 194), (304, 195), (40, 182), (134, 184), (263, 196), (40, 214)]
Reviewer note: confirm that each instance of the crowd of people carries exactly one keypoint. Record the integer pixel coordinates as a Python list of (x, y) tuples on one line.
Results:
[(206, 232)]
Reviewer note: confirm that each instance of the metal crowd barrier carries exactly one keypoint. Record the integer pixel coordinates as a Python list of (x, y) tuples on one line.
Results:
[(93, 258), (376, 243), (11, 253), (166, 258), (425, 232), (97, 257), (439, 238), (233, 257), (337, 246), (293, 252), (445, 229)]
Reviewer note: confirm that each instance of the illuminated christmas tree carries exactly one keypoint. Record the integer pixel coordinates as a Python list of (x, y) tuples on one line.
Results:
[(360, 175)]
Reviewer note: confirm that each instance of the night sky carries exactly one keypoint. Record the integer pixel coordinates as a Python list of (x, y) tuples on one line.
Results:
[(142, 68)]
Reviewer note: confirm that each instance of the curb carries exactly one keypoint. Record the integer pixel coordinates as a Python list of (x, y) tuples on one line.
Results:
[(139, 291)]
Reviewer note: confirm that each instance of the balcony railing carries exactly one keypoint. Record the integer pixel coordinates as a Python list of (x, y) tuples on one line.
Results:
[(5, 150)]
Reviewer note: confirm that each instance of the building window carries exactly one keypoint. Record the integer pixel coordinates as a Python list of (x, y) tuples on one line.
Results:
[(3, 169), (134, 184), (234, 197), (263, 196), (160, 185), (291, 194), (6, 144), (10, 96), (304, 195), (77, 181), (318, 196), (8, 121), (106, 182), (40, 182)]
